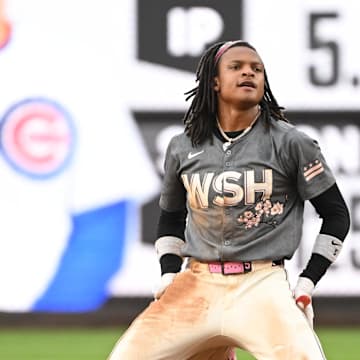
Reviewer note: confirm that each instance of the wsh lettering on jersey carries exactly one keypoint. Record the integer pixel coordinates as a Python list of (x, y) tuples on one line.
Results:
[(229, 188)]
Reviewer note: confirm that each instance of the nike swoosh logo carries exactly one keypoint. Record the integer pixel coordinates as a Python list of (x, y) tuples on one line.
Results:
[(191, 155), (334, 242)]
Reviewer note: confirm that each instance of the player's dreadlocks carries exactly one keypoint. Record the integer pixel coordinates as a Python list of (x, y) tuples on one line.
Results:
[(200, 118)]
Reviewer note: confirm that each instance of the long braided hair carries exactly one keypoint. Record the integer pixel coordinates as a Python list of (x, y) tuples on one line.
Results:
[(200, 118)]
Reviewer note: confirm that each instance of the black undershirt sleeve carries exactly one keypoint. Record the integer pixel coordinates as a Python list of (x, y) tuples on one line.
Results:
[(171, 224), (331, 207)]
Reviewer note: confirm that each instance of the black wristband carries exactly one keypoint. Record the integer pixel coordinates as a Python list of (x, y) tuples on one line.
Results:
[(316, 268), (170, 263)]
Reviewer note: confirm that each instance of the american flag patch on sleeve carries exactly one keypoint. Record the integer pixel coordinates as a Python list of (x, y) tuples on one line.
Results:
[(313, 169)]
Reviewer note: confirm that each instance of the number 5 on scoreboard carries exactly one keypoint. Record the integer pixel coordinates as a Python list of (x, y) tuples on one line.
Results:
[(330, 46)]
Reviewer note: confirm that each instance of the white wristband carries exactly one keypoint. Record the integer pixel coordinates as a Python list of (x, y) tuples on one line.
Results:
[(327, 246), (168, 245)]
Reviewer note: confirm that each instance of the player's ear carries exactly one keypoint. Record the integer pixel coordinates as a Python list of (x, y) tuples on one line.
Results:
[(216, 84)]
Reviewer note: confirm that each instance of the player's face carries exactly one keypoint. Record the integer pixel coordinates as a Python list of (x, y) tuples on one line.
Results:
[(240, 80)]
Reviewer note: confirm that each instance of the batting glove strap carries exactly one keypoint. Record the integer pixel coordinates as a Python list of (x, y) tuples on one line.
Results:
[(168, 245)]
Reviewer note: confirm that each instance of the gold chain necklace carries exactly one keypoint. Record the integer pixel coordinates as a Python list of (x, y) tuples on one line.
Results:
[(230, 140)]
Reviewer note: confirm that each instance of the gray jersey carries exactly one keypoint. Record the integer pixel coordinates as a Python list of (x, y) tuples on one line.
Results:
[(245, 202)]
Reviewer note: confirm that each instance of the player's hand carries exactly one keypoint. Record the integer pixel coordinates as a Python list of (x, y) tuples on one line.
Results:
[(165, 281), (303, 297)]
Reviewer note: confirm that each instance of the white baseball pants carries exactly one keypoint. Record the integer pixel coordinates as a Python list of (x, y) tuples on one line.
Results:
[(202, 314)]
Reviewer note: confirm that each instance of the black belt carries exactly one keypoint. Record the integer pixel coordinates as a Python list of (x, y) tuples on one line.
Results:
[(278, 262)]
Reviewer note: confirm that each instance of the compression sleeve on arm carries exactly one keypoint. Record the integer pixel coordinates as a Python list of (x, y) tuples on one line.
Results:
[(331, 207), (170, 234)]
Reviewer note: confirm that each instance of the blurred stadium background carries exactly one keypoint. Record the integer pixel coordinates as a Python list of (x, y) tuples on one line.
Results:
[(90, 93)]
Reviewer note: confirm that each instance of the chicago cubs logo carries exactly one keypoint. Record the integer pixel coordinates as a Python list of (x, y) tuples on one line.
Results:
[(37, 137)]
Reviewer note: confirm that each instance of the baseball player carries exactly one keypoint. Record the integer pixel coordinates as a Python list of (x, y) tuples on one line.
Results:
[(232, 204)]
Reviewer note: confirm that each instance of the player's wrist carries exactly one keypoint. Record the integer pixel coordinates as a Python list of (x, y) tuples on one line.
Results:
[(168, 249), (170, 263), (316, 268), (305, 285)]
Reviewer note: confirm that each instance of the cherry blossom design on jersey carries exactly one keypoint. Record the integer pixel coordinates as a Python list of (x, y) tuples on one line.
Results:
[(264, 212)]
